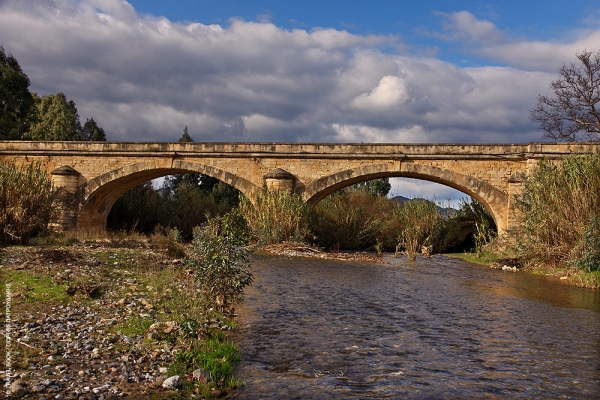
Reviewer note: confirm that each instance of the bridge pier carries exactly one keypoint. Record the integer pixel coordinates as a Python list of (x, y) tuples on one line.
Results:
[(514, 216), (280, 180), (65, 181)]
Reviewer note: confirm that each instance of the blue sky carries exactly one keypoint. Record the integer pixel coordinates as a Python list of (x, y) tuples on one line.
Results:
[(302, 71)]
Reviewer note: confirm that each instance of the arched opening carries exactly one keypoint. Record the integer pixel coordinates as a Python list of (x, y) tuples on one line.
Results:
[(100, 194), (494, 200), (347, 218), (181, 201)]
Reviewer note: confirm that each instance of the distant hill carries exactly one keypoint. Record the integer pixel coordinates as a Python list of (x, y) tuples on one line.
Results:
[(444, 211)]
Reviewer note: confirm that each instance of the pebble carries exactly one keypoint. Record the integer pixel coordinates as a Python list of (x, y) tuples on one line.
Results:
[(80, 353), (89, 363)]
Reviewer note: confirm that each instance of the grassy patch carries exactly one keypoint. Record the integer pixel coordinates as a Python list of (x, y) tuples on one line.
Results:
[(34, 287), (588, 279), (215, 355), (134, 325)]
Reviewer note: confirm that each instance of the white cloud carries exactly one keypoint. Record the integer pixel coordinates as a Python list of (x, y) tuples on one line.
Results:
[(391, 92), (143, 77)]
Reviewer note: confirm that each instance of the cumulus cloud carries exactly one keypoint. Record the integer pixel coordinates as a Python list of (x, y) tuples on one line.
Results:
[(143, 77), (390, 93)]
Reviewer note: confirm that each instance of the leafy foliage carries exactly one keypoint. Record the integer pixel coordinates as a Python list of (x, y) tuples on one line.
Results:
[(26, 202), (16, 102), (220, 262), (375, 187), (140, 208), (589, 259), (24, 115), (56, 119), (471, 227), (575, 106)]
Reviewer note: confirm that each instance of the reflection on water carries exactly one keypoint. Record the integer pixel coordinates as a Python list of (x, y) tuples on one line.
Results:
[(434, 328)]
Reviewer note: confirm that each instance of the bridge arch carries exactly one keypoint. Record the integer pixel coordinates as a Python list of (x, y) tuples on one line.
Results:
[(98, 195), (493, 199)]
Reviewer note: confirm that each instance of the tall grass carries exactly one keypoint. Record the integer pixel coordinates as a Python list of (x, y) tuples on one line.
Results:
[(418, 220), (561, 207), (26, 202), (276, 216)]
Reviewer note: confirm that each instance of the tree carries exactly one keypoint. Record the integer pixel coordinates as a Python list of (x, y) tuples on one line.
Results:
[(173, 182), (375, 187), (574, 107), (92, 132), (57, 119), (16, 102)]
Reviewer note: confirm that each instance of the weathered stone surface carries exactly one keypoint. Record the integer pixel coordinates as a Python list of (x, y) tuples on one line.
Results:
[(95, 175), (172, 382)]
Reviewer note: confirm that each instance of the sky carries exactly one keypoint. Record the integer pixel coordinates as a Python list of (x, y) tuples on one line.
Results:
[(302, 71)]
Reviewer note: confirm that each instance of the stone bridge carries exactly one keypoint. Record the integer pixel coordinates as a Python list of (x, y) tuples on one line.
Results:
[(93, 175)]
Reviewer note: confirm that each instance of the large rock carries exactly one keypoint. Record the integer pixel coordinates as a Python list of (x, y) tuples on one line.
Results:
[(172, 383), (201, 375), (17, 389)]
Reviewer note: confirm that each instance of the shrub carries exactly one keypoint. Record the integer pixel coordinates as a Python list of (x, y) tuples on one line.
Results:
[(350, 220), (27, 202), (560, 203), (468, 229), (276, 216), (220, 262)]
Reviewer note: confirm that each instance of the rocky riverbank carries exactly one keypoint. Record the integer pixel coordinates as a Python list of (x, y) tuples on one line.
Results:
[(101, 321)]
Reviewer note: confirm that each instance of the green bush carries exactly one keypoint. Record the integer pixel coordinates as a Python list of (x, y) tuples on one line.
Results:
[(276, 216), (560, 203), (467, 229), (220, 262), (27, 202)]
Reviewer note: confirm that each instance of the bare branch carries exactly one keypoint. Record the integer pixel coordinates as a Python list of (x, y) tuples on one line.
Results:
[(575, 107)]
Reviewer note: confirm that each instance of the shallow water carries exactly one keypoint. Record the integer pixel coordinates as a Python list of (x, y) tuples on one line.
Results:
[(434, 328)]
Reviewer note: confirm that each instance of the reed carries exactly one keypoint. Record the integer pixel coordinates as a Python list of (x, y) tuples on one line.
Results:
[(276, 216), (417, 219), (561, 207), (27, 202)]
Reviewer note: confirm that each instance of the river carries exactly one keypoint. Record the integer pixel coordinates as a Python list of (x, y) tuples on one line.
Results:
[(431, 328)]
